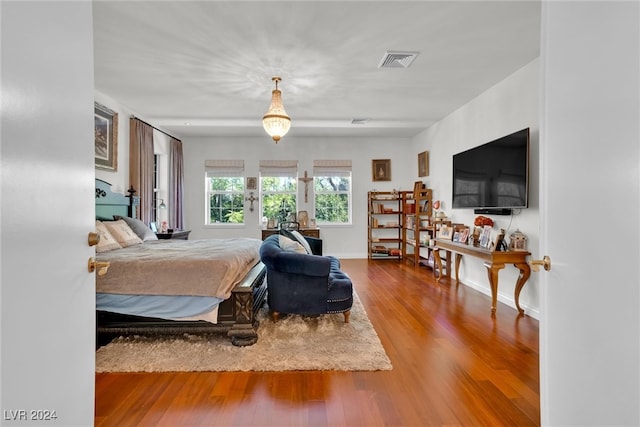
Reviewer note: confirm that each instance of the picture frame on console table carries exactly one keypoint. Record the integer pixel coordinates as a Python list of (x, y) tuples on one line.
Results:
[(485, 237)]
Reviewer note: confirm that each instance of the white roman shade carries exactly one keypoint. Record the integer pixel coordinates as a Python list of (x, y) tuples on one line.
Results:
[(225, 168), (332, 168), (283, 168)]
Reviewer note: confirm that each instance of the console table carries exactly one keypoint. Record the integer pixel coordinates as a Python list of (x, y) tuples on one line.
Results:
[(494, 261), (177, 234), (309, 232)]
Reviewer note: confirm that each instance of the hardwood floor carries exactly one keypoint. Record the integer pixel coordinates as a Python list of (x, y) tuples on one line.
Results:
[(453, 365)]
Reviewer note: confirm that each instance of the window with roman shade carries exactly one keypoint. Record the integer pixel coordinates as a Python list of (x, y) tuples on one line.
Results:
[(332, 191), (278, 188), (224, 184)]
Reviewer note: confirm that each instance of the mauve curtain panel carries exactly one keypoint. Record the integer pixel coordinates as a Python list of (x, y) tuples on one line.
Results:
[(141, 165), (176, 185)]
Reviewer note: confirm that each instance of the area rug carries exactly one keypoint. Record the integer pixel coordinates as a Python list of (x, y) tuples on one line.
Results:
[(294, 343)]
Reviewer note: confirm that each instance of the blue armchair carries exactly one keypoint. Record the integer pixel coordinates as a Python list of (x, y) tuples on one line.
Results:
[(300, 283)]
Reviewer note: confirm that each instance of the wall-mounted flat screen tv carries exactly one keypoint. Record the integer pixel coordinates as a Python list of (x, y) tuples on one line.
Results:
[(494, 175)]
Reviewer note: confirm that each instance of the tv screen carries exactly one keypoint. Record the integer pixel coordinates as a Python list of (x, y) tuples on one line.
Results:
[(493, 175)]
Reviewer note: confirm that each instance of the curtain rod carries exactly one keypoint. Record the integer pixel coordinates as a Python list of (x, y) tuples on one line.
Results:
[(159, 130)]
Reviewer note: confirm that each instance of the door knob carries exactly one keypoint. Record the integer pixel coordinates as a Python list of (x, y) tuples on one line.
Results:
[(93, 238), (101, 266), (545, 262)]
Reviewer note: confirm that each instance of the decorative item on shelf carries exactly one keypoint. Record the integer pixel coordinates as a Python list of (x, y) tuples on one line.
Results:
[(303, 219), (464, 235), (498, 243), (517, 241), (164, 226), (485, 237), (477, 231), (445, 232), (276, 122), (436, 206), (481, 221)]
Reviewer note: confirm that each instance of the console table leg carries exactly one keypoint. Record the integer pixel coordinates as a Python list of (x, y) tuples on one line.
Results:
[(492, 270), (525, 272), (437, 265), (458, 259)]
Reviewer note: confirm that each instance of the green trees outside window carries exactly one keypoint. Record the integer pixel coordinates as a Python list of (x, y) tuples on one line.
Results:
[(278, 196), (226, 200), (332, 199)]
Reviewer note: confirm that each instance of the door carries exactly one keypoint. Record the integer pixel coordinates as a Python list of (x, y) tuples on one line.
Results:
[(590, 218), (47, 209)]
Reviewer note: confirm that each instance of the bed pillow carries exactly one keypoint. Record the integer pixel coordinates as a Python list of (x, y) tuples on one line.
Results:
[(107, 242), (138, 227), (123, 233), (300, 238), (296, 238), (288, 245)]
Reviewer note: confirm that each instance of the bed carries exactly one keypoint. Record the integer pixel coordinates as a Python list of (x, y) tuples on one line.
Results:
[(155, 287)]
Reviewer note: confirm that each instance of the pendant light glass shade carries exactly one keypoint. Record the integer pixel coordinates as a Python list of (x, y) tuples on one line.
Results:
[(276, 122)]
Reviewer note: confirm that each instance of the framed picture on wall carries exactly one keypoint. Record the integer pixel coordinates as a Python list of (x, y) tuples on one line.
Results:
[(381, 169), (252, 183), (105, 138), (423, 163)]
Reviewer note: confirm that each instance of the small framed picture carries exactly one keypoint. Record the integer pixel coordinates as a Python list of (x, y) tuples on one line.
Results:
[(381, 169), (252, 183), (105, 138), (312, 223), (485, 237), (464, 235), (303, 219), (423, 164), (153, 226), (445, 232)]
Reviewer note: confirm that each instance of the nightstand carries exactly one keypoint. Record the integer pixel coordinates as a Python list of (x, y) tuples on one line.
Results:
[(178, 234), (309, 232)]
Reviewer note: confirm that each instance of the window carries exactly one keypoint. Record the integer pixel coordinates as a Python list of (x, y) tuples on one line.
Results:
[(278, 188), (332, 187), (224, 184), (156, 183)]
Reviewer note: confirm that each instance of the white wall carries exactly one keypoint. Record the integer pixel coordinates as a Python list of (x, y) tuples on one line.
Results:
[(119, 179), (342, 241), (509, 106)]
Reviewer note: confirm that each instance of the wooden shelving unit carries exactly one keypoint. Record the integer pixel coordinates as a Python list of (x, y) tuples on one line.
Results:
[(385, 224), (418, 227)]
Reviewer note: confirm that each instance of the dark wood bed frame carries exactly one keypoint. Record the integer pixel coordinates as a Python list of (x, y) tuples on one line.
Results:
[(237, 316)]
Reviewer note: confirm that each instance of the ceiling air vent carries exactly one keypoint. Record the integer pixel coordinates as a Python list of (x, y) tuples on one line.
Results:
[(395, 59)]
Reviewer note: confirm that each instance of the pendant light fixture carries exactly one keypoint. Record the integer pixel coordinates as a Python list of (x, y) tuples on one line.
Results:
[(276, 122)]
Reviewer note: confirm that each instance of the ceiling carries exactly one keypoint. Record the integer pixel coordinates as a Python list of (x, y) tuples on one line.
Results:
[(204, 68)]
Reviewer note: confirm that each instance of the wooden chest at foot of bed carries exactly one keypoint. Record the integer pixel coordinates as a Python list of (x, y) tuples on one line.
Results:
[(237, 316)]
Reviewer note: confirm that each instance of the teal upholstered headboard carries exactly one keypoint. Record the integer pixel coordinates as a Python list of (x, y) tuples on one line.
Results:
[(109, 203)]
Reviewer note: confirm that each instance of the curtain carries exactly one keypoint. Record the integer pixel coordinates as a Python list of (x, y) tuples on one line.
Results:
[(176, 185), (141, 166)]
